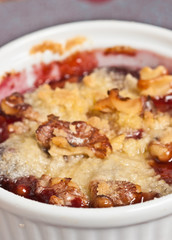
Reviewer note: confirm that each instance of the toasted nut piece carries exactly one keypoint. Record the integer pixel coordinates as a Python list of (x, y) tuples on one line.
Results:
[(63, 192), (117, 193), (61, 142), (160, 151), (14, 105), (149, 73), (155, 87), (115, 102), (154, 82), (102, 201), (44, 133), (121, 50), (78, 136)]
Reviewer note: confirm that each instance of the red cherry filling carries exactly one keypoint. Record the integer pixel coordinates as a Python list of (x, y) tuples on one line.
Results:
[(164, 103)]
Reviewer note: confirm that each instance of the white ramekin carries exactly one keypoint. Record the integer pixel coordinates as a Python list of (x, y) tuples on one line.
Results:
[(23, 219)]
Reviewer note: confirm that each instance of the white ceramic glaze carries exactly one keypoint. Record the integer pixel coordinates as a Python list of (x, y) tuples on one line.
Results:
[(23, 219)]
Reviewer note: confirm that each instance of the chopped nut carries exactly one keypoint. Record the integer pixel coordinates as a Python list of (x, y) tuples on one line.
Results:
[(117, 193), (73, 136), (63, 191), (115, 102), (120, 192), (102, 201), (160, 151), (149, 73), (121, 50), (14, 105), (154, 82), (44, 133)]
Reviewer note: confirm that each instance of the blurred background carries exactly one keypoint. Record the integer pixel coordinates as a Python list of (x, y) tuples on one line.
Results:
[(19, 17)]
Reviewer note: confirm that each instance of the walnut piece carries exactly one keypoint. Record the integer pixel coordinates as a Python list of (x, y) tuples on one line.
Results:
[(117, 193), (149, 73), (14, 105), (76, 137), (161, 152), (63, 192), (154, 82), (115, 102)]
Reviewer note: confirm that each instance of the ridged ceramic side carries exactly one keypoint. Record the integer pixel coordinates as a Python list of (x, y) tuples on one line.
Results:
[(17, 228), (23, 219)]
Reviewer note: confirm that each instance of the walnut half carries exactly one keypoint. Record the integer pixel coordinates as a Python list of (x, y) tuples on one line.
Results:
[(75, 138), (117, 193), (14, 105), (61, 192), (161, 152), (154, 82)]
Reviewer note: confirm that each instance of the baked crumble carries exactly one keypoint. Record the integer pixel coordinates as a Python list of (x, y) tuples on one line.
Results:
[(95, 137)]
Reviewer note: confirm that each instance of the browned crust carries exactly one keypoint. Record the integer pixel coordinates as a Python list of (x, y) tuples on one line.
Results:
[(127, 50), (74, 42), (56, 47)]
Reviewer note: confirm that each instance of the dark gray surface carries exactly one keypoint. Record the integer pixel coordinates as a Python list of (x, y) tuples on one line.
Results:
[(19, 17)]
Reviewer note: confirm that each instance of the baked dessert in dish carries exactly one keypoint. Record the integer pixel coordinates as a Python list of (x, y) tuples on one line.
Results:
[(89, 134)]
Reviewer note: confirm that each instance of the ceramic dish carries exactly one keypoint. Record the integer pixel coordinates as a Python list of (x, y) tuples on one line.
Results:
[(22, 219)]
